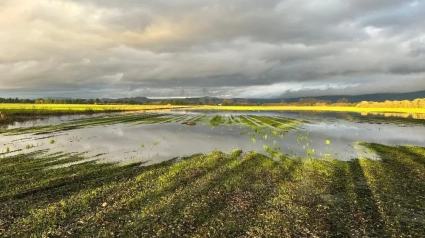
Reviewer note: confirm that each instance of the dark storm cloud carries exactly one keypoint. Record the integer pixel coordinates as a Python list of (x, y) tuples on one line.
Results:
[(249, 48)]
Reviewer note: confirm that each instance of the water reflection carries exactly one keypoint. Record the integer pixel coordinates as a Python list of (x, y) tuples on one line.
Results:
[(323, 136), (400, 115), (31, 121), (304, 114)]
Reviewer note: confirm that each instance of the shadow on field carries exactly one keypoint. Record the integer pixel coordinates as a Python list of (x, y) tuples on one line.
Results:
[(218, 194), (371, 217), (399, 186)]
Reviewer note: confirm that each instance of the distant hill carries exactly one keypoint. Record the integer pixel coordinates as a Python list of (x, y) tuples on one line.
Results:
[(137, 99), (377, 97)]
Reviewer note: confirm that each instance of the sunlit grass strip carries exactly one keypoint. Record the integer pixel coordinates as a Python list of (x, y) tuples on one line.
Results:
[(49, 108)]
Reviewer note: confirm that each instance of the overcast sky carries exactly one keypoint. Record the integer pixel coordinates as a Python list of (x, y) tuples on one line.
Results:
[(225, 48)]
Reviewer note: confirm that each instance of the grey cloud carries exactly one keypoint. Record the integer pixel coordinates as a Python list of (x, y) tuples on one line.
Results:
[(217, 48)]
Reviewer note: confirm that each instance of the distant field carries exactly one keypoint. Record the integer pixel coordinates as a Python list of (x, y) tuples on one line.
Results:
[(71, 108), (52, 108), (311, 108)]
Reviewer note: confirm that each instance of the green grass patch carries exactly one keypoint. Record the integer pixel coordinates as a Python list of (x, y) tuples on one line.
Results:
[(60, 109), (217, 194)]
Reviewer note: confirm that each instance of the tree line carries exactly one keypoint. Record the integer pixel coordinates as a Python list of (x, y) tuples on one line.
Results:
[(49, 101), (15, 100), (417, 103), (92, 101), (343, 102)]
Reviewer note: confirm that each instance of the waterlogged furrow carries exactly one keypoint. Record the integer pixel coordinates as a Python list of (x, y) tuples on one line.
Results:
[(273, 124), (196, 118), (181, 118), (139, 118), (217, 120), (69, 126), (278, 123), (245, 120), (260, 122), (157, 120), (175, 119), (124, 119)]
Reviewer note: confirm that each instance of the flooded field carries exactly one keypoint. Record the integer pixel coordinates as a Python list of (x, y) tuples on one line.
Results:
[(211, 173), (155, 137)]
